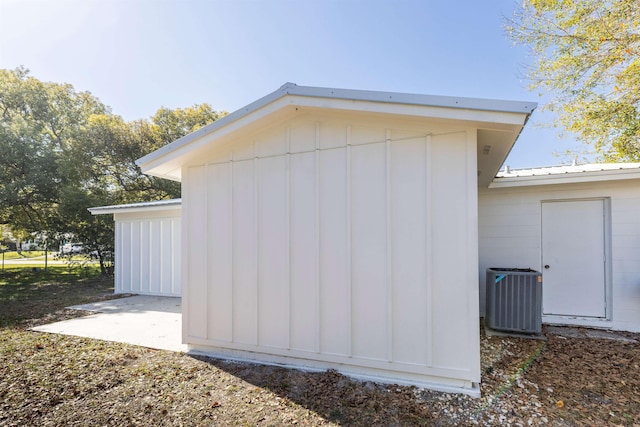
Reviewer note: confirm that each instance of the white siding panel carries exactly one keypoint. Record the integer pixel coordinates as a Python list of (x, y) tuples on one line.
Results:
[(369, 245), (220, 253), (333, 135), (245, 296), (165, 254), (510, 220), (176, 248), (135, 258), (449, 221), (408, 214), (156, 242), (273, 253), (627, 242), (367, 135), (243, 151), (335, 311), (302, 136), (196, 222), (504, 209), (144, 260), (512, 231), (322, 255), (304, 286), (120, 268), (272, 143)]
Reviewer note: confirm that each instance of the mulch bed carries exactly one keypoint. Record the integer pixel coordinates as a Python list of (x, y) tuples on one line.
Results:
[(48, 379)]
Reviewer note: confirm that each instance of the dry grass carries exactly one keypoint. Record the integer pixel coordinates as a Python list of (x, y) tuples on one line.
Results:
[(48, 379)]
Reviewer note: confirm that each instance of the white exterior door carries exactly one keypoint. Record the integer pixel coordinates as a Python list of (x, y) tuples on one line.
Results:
[(573, 258)]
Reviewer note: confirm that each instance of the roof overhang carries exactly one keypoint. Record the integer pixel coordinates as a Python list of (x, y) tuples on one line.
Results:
[(607, 173), (159, 205), (499, 122)]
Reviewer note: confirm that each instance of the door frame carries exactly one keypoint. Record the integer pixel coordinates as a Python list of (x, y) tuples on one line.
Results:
[(608, 288)]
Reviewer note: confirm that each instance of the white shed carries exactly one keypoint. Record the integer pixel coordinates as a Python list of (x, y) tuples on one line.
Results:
[(147, 247), (580, 226), (332, 228)]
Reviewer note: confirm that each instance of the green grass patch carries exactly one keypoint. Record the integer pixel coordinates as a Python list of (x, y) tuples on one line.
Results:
[(34, 273), (27, 294), (11, 255), (52, 263)]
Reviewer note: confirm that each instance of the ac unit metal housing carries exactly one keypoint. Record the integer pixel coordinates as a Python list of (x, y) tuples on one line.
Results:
[(514, 300)]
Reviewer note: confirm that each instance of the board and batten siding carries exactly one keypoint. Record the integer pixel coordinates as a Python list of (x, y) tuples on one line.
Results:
[(333, 244), (510, 235), (148, 253)]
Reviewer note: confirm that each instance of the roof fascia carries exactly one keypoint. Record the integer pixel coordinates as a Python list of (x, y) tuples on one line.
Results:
[(413, 99), (205, 130), (414, 110), (567, 178), (197, 139), (443, 105), (142, 207)]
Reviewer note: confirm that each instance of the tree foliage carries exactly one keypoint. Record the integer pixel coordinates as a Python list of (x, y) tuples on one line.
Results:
[(37, 122), (63, 151), (587, 53)]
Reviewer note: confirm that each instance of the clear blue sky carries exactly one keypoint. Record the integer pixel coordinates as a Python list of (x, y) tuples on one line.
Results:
[(138, 55)]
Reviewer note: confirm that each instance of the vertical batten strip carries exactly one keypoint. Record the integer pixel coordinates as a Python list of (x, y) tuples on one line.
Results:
[(389, 246), (184, 249), (118, 257), (349, 252), (176, 250), (317, 219), (256, 209), (162, 250), (231, 248), (207, 210), (171, 251), (428, 262), (472, 293), (176, 258), (167, 277), (144, 281), (135, 253), (130, 273), (151, 261), (288, 231), (175, 282), (141, 242), (139, 269)]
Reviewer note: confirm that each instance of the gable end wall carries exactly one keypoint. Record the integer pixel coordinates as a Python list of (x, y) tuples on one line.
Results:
[(329, 244)]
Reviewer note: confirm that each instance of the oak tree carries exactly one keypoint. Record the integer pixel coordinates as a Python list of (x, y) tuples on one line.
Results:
[(587, 55)]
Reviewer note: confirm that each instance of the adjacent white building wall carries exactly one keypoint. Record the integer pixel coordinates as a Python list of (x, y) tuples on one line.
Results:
[(337, 243), (510, 235), (148, 252)]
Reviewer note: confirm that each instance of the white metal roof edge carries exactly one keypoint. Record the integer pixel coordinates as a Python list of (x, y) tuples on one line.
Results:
[(346, 94), (412, 98), (136, 207), (565, 169), (566, 178)]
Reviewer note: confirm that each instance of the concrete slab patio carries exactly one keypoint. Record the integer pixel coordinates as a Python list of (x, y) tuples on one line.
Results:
[(148, 321), (156, 322)]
